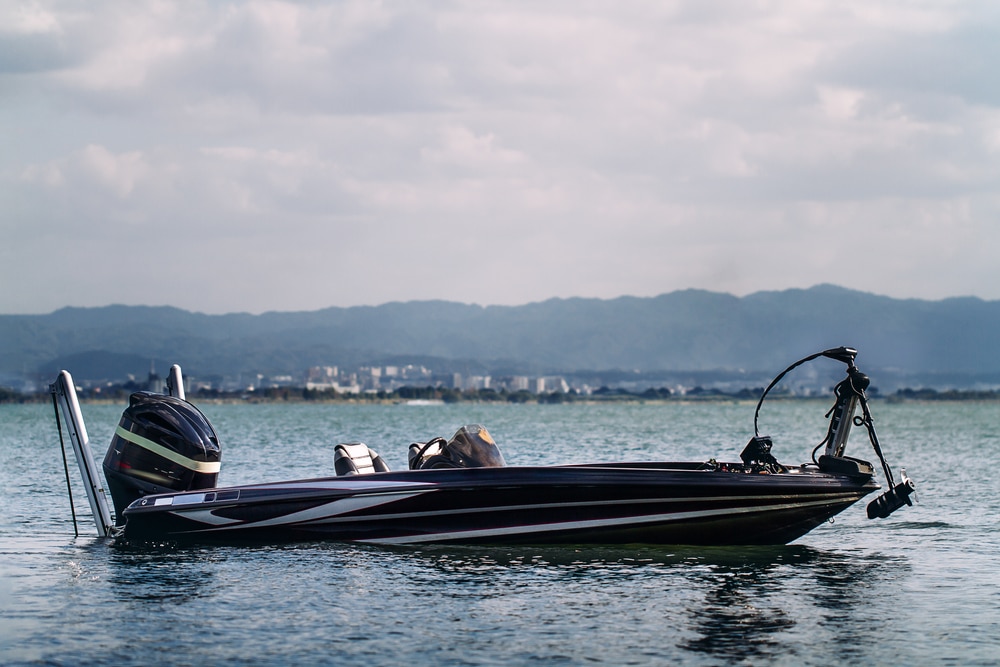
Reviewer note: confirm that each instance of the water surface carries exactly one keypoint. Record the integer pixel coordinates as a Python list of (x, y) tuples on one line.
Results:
[(918, 588)]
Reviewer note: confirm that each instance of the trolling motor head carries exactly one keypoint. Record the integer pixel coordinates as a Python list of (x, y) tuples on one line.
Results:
[(893, 499)]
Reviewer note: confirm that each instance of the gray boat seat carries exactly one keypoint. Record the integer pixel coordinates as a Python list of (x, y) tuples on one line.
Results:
[(356, 458)]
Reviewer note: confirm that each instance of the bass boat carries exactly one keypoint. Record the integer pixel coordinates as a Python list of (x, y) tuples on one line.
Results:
[(164, 459)]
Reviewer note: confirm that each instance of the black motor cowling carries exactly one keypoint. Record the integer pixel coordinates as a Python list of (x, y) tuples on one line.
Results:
[(162, 444)]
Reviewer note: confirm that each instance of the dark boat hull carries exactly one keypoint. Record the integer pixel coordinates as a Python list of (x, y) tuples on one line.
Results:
[(651, 503)]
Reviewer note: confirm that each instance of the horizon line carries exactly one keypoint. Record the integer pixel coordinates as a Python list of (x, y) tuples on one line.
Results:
[(818, 286)]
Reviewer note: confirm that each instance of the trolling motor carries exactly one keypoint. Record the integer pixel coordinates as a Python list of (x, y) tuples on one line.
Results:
[(850, 394)]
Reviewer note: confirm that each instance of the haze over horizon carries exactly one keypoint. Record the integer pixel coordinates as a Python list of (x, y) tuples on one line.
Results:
[(259, 156)]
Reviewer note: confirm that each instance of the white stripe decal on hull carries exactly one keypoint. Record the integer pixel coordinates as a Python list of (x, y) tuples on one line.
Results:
[(326, 510), (206, 517), (838, 497), (331, 512), (592, 523)]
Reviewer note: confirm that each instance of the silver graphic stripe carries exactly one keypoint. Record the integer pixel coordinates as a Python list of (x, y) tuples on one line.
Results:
[(587, 524)]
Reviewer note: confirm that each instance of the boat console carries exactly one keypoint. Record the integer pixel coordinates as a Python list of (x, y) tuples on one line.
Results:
[(470, 447)]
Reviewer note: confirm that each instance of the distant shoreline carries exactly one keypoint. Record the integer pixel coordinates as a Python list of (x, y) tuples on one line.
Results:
[(904, 396)]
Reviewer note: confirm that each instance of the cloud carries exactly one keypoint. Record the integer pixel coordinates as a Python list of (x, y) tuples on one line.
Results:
[(496, 152)]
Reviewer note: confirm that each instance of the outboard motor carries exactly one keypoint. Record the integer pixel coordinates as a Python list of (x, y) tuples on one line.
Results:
[(162, 444), (470, 447)]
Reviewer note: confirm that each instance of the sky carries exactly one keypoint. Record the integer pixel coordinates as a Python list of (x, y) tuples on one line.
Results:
[(283, 156)]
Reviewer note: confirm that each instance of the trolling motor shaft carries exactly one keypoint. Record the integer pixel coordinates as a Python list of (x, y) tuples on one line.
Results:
[(849, 393)]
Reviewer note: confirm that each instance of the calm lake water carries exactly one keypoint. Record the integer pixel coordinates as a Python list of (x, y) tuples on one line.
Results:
[(921, 587)]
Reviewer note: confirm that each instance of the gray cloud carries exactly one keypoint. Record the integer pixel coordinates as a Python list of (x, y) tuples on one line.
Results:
[(279, 156)]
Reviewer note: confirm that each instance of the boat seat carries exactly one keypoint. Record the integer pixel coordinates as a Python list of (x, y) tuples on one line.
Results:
[(356, 458)]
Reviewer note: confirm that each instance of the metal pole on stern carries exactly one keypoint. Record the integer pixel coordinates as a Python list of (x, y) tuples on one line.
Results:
[(67, 402), (175, 382)]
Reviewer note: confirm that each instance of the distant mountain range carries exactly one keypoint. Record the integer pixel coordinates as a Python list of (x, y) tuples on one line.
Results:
[(952, 342)]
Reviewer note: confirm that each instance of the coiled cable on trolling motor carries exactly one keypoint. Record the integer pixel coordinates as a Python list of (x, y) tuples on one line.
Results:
[(844, 354)]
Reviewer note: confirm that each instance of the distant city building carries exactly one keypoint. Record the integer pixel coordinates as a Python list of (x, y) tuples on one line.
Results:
[(477, 382), (154, 382), (322, 373)]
